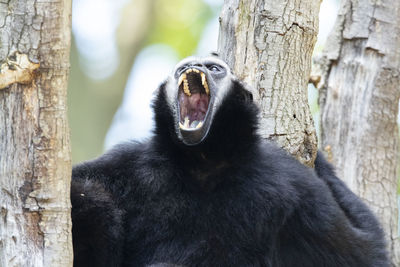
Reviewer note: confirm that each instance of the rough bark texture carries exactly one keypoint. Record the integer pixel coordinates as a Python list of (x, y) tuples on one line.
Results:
[(359, 82), (35, 166), (269, 44)]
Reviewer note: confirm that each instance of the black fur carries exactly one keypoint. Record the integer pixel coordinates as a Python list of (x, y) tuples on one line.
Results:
[(97, 224), (233, 200)]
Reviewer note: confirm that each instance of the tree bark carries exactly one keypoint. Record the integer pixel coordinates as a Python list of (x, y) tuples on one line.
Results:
[(269, 44), (35, 168), (358, 78)]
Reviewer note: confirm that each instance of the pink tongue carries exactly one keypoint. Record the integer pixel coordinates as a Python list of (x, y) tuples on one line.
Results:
[(194, 106), (198, 103)]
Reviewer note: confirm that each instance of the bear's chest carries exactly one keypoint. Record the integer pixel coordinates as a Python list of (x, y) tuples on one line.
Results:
[(228, 229)]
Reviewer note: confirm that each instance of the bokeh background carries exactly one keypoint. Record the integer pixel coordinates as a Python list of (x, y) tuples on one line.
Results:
[(122, 50)]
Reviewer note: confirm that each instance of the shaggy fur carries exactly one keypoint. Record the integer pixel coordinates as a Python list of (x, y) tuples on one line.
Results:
[(232, 200)]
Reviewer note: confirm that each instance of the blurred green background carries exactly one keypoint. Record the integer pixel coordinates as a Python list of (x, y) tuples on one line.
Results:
[(92, 101), (107, 37)]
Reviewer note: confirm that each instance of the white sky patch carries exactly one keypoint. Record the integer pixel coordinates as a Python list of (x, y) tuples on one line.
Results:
[(134, 118), (327, 17), (94, 24), (209, 40), (214, 3)]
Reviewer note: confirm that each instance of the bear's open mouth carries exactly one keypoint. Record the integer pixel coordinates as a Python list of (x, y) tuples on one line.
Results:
[(193, 98)]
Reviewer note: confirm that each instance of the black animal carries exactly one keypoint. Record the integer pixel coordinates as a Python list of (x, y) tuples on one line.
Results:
[(206, 190)]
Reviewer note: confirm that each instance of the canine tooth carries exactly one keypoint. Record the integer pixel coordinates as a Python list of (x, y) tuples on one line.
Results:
[(181, 125), (181, 79), (204, 83), (203, 78), (199, 125), (206, 87), (186, 123)]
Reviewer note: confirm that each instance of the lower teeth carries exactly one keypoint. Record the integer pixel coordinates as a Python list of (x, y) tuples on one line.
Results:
[(194, 124), (186, 124)]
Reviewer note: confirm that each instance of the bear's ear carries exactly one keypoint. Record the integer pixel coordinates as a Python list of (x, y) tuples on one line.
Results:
[(214, 54), (245, 96), (243, 92), (249, 96)]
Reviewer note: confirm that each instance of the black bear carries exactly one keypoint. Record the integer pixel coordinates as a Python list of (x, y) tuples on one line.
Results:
[(206, 190)]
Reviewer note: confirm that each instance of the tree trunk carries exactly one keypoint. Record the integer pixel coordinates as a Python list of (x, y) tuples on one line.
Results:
[(359, 82), (269, 44), (35, 168)]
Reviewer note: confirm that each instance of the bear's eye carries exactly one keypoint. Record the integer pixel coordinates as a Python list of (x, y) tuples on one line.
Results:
[(214, 68)]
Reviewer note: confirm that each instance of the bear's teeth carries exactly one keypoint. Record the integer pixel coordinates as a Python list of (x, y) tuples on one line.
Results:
[(181, 79), (204, 83), (194, 124), (186, 123), (186, 88)]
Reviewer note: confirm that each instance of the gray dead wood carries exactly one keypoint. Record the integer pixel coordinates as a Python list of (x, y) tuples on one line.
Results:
[(269, 45), (35, 164), (359, 83)]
